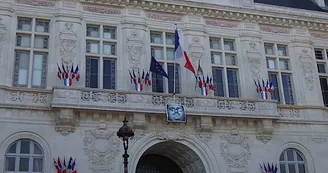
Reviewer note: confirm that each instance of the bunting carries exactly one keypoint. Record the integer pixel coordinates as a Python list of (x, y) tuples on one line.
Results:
[(140, 80), (269, 168), (69, 168), (265, 89), (67, 75)]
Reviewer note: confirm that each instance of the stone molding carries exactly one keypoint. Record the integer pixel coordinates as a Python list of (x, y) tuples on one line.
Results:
[(38, 3), (227, 13), (102, 10), (265, 131), (163, 16), (65, 122)]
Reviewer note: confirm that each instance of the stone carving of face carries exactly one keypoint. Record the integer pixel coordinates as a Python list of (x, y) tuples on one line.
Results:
[(175, 113)]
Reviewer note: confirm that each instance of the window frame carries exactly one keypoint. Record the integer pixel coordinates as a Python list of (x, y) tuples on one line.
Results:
[(165, 62), (32, 50), (280, 72), (324, 61), (296, 162), (101, 56), (223, 66), (31, 155)]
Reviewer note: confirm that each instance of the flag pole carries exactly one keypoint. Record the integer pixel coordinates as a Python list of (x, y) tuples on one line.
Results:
[(176, 28)]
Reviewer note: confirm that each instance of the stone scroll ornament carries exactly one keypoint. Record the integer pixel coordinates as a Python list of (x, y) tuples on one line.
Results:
[(140, 80), (264, 89), (63, 168), (67, 74), (267, 168)]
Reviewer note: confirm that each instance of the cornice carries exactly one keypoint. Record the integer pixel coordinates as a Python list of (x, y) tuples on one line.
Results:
[(222, 12)]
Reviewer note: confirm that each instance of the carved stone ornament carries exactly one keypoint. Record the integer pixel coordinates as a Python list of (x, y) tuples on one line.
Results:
[(28, 97), (48, 3), (254, 60), (274, 30), (320, 139), (68, 44), (221, 24), (235, 150), (3, 32), (65, 124), (264, 134), (164, 17), (135, 48), (306, 63), (102, 10), (196, 51), (101, 145)]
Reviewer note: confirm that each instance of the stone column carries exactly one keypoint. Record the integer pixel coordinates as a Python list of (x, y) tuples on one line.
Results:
[(197, 46), (7, 42), (136, 52), (251, 62), (67, 41), (306, 83)]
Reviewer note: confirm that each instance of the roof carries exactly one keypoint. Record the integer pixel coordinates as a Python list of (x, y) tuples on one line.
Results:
[(301, 4)]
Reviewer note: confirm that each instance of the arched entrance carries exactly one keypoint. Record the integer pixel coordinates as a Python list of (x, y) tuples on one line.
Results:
[(170, 157)]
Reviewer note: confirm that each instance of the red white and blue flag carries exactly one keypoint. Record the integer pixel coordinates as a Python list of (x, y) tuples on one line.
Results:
[(140, 80), (180, 55), (70, 168), (264, 89), (269, 168), (68, 75), (205, 85)]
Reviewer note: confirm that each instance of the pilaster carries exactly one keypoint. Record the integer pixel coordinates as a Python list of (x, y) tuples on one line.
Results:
[(305, 77), (197, 46), (252, 64), (67, 34), (136, 52)]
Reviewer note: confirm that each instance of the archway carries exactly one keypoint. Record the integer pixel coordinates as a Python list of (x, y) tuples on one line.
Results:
[(168, 157)]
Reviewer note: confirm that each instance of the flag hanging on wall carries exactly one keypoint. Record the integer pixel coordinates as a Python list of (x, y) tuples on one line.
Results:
[(70, 168), (269, 168), (140, 80), (67, 75), (265, 89)]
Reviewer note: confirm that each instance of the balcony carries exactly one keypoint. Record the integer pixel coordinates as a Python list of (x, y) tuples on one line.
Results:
[(128, 101)]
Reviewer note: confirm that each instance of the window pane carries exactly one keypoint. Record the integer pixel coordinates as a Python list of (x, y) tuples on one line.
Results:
[(282, 50), (10, 164), (24, 24), (169, 39), (324, 89), (25, 147), (215, 43), (269, 49), (216, 58), (41, 42), (109, 48), (281, 158), (321, 67), (92, 47), (23, 40), (318, 53), (290, 156), (170, 54), (282, 168), (230, 59), (37, 70), (287, 87), (23, 66), (299, 158), (271, 63), (156, 37), (229, 45), (157, 52), (41, 26), (109, 33), (301, 168), (171, 72), (37, 149), (273, 78), (218, 82), (93, 31), (232, 83), (37, 165), (91, 73), (12, 148), (291, 168), (23, 164), (158, 82), (109, 74), (283, 65)]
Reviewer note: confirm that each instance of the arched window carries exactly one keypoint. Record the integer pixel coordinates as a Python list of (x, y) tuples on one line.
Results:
[(291, 161), (24, 156)]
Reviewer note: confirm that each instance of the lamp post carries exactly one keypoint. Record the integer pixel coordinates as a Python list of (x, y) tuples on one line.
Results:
[(125, 132)]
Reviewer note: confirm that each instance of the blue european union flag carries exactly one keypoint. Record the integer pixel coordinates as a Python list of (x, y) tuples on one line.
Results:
[(157, 68)]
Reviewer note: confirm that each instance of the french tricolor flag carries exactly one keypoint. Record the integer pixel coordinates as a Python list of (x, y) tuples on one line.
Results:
[(138, 86), (67, 81), (180, 54)]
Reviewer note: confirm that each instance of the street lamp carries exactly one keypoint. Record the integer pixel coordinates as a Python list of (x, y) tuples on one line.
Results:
[(125, 132)]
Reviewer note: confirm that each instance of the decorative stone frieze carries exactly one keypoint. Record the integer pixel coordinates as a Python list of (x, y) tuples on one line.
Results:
[(291, 113), (265, 131), (45, 3), (164, 17), (307, 66), (65, 122), (235, 150), (319, 140), (135, 48), (319, 35), (275, 30), (68, 44), (102, 146), (220, 24), (196, 51), (254, 60), (102, 10)]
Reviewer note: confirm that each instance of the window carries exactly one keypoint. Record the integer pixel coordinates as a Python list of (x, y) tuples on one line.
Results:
[(291, 161), (321, 59), (279, 72), (101, 56), (31, 52), (24, 156), (162, 49), (224, 67)]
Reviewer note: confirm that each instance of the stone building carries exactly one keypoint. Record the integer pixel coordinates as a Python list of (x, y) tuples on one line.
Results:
[(229, 131)]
